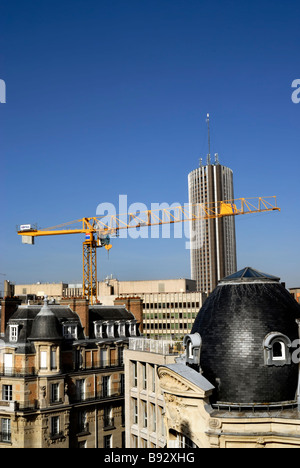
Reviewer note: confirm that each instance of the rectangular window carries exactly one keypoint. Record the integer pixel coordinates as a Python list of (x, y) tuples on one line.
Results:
[(53, 359), (8, 364), (135, 411), (107, 441), (55, 426), (134, 441), (106, 386), (43, 362), (135, 377), (153, 415), (80, 390), (82, 422), (5, 430), (13, 333), (70, 332), (55, 393), (7, 392), (122, 384), (144, 376), (144, 414)]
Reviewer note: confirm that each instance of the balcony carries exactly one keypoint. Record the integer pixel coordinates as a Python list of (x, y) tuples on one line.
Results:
[(163, 347), (33, 371), (103, 395)]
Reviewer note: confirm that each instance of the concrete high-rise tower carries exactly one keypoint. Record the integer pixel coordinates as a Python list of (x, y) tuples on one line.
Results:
[(213, 241)]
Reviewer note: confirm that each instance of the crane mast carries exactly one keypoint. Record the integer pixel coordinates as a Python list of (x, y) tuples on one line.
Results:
[(99, 230)]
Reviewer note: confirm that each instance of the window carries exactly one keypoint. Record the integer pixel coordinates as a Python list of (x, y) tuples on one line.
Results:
[(135, 377), (110, 330), (153, 378), (106, 386), (122, 329), (53, 359), (122, 384), (120, 356), (13, 333), (108, 420), (70, 332), (82, 422), (153, 414), (107, 441), (8, 364), (5, 430), (135, 411), (55, 426), (80, 390), (134, 441), (98, 329), (277, 349), (144, 414), (55, 393), (144, 377), (132, 328), (7, 392), (43, 361)]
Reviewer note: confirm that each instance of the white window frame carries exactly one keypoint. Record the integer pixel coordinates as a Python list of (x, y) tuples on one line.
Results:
[(13, 333), (7, 392), (70, 331), (6, 429), (43, 360)]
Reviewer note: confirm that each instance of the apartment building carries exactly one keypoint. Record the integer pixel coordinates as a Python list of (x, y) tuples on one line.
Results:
[(62, 375)]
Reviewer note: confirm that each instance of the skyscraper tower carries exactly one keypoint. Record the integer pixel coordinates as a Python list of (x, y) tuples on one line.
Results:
[(213, 241)]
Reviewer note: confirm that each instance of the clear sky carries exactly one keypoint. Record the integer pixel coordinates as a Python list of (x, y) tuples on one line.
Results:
[(109, 97)]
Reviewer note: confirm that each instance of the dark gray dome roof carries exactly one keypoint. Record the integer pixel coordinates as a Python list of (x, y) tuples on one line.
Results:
[(46, 326), (233, 323)]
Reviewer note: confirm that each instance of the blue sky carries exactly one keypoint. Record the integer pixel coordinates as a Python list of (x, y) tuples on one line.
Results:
[(110, 97)]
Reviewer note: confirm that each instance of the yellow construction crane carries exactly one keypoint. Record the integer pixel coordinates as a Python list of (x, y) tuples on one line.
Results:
[(98, 230)]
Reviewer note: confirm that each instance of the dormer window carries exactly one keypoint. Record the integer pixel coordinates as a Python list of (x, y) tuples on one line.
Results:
[(70, 331), (98, 329), (277, 349), (110, 329), (13, 333), (192, 344), (132, 328), (122, 328)]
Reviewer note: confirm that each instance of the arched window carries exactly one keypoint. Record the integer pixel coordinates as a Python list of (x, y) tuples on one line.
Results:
[(277, 349), (193, 343)]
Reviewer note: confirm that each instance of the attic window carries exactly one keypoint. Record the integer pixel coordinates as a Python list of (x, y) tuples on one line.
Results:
[(13, 333), (70, 332), (277, 349)]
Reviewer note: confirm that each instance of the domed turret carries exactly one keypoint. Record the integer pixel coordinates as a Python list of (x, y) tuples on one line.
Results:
[(46, 326), (248, 330)]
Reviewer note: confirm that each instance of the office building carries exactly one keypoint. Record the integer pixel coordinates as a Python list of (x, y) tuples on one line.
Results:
[(213, 241)]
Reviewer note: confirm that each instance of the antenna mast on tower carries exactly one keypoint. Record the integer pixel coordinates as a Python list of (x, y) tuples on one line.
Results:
[(208, 130)]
